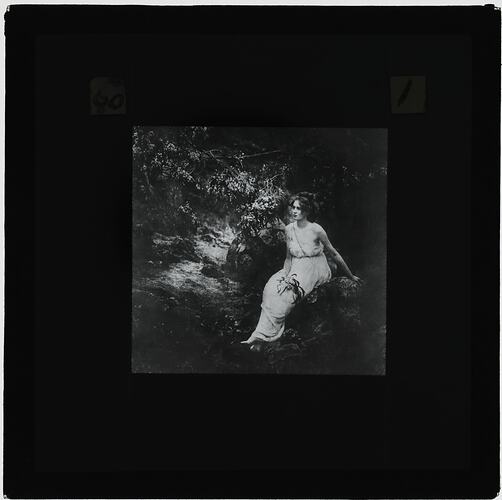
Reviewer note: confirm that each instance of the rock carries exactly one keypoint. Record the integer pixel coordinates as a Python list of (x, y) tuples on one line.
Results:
[(345, 288), (334, 311), (312, 297), (257, 256), (207, 229), (207, 237), (211, 270), (291, 334), (350, 316), (173, 302), (158, 236), (320, 328), (277, 354), (212, 235), (173, 249)]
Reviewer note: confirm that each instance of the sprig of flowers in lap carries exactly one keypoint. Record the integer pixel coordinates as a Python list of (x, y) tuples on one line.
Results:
[(291, 283)]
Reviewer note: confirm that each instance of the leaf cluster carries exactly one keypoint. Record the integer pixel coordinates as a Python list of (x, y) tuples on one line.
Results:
[(291, 283)]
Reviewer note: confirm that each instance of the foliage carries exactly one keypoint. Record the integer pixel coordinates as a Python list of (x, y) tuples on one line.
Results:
[(232, 187), (172, 166), (165, 163), (246, 174), (187, 215), (264, 209)]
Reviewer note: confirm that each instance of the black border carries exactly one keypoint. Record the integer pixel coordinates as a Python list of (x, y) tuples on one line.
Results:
[(24, 24)]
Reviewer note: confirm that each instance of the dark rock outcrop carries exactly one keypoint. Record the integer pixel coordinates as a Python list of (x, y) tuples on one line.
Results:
[(259, 255), (212, 270), (170, 249)]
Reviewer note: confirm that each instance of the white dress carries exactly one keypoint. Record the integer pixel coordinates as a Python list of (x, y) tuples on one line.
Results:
[(309, 268)]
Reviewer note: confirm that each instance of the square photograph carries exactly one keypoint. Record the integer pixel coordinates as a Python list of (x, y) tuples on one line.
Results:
[(259, 250)]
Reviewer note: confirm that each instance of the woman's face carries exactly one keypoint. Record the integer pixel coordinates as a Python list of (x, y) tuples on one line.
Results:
[(296, 211)]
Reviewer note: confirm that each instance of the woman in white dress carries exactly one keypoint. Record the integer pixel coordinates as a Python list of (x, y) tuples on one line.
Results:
[(305, 268)]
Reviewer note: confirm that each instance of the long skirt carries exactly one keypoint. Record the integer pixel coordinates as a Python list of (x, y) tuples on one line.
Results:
[(278, 301)]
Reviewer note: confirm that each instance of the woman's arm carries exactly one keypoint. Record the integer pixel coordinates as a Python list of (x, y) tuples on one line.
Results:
[(321, 233), (287, 261)]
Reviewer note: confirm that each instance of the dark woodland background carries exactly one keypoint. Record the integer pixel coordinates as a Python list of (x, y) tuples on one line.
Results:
[(209, 208)]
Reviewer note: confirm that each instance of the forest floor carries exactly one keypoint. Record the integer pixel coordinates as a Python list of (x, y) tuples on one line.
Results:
[(190, 315)]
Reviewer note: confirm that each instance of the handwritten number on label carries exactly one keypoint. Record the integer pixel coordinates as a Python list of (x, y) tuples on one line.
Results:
[(101, 101), (405, 92), (116, 101)]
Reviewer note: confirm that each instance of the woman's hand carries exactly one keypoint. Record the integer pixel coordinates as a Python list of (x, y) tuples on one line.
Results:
[(356, 279)]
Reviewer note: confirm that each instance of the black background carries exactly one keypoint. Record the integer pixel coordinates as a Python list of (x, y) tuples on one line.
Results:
[(78, 423)]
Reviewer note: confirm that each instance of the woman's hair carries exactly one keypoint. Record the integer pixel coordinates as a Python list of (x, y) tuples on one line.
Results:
[(305, 203)]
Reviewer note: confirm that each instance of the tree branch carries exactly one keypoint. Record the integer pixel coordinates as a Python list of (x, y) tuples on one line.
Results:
[(261, 154)]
